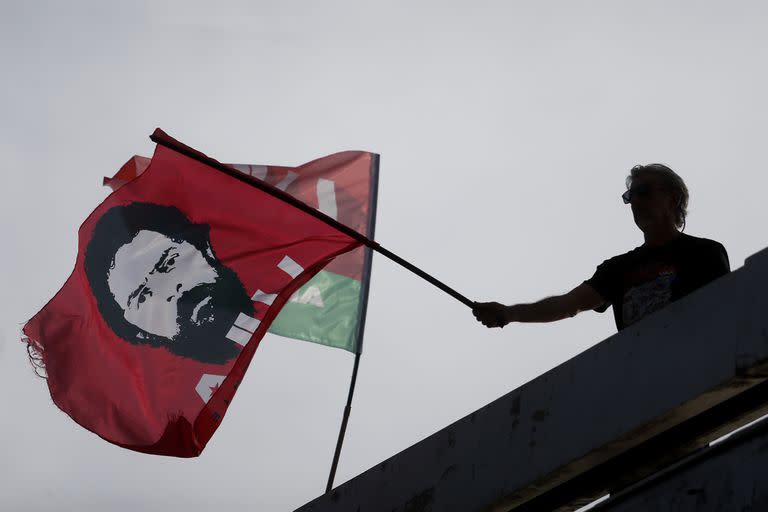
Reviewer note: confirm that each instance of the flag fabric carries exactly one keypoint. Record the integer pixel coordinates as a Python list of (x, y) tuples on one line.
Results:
[(330, 308), (179, 274)]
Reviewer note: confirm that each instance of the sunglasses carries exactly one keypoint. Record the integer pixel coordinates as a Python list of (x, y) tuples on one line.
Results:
[(639, 191)]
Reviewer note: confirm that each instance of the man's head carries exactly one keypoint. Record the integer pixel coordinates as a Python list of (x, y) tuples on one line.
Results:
[(658, 196), (157, 281)]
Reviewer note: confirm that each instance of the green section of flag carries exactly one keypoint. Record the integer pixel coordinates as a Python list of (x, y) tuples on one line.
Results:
[(325, 310)]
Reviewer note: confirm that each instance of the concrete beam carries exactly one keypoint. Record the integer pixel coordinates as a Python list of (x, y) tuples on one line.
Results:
[(732, 475), (656, 376)]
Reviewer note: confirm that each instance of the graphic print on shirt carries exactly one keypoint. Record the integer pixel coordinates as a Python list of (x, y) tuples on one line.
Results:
[(649, 289)]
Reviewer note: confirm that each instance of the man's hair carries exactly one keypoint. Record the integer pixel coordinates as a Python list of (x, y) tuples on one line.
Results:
[(670, 180), (119, 226)]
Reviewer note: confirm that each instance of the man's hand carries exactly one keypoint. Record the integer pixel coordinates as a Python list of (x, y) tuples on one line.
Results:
[(492, 314)]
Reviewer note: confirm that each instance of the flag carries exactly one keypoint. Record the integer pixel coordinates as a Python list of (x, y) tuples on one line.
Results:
[(179, 274), (330, 308)]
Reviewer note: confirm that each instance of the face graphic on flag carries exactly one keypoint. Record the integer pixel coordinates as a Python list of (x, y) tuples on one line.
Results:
[(179, 274), (157, 281)]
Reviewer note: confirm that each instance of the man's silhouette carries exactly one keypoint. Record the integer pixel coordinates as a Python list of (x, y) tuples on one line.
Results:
[(157, 281), (668, 266)]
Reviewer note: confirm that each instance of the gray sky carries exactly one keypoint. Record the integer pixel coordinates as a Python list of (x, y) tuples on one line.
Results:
[(506, 130)]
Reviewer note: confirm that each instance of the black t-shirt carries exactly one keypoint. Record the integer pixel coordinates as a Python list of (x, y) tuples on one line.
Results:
[(646, 279)]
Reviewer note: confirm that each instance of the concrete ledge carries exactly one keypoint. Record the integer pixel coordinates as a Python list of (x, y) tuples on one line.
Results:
[(732, 475), (675, 364)]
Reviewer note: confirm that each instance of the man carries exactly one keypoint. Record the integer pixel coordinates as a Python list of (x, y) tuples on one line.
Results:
[(669, 265), (157, 282)]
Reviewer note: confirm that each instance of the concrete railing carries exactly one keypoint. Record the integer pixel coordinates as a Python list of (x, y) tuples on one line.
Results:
[(665, 374)]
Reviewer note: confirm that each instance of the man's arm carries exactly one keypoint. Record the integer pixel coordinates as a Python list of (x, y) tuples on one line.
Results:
[(551, 309)]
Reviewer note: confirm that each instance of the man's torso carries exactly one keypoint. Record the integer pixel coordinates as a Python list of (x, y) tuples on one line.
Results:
[(646, 279)]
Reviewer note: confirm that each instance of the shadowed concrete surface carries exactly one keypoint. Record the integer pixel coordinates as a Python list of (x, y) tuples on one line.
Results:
[(732, 475), (616, 413)]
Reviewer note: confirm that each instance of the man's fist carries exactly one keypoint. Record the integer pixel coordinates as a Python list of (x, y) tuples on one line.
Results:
[(491, 314)]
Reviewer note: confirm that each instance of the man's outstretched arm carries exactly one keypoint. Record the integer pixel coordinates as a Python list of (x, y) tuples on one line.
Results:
[(551, 309)]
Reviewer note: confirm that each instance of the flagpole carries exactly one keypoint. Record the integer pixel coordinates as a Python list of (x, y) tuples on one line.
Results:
[(373, 192), (343, 429), (163, 139)]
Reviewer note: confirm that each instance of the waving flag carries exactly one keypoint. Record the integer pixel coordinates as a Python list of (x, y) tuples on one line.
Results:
[(179, 274), (330, 308)]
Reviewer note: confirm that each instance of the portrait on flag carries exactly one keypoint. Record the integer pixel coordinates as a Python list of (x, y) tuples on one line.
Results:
[(157, 281)]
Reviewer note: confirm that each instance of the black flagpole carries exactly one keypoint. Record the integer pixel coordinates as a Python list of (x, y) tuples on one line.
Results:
[(163, 139), (343, 429), (373, 194)]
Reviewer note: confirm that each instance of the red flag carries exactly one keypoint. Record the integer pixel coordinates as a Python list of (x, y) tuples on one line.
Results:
[(148, 339), (131, 169)]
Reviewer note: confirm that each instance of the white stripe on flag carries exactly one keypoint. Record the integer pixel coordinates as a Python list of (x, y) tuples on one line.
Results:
[(290, 267), (238, 335), (326, 198), (289, 177), (246, 322), (259, 171), (266, 298), (207, 384)]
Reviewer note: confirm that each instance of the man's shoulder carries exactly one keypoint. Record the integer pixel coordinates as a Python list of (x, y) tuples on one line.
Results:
[(701, 243), (620, 259), (689, 242), (627, 256)]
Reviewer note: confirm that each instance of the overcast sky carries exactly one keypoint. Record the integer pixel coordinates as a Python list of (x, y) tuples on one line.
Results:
[(505, 130)]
